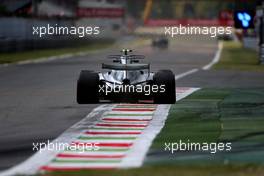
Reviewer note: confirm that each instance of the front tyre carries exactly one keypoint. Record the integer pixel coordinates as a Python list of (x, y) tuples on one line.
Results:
[(88, 87), (166, 79)]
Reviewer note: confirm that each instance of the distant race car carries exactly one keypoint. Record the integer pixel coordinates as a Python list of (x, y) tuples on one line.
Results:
[(160, 42), (126, 80), (225, 37)]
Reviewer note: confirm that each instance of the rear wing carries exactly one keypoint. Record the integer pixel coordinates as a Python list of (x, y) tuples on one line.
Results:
[(126, 66), (133, 57)]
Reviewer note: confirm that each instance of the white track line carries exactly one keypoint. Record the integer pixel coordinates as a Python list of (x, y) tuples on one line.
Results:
[(136, 155), (31, 165), (206, 67), (52, 58), (177, 77), (216, 57)]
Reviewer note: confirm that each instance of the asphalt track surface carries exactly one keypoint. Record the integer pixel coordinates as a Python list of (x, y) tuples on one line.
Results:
[(38, 100)]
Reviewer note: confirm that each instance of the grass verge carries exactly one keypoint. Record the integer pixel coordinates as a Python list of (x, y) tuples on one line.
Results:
[(211, 116), (170, 170), (233, 116), (235, 57), (42, 53)]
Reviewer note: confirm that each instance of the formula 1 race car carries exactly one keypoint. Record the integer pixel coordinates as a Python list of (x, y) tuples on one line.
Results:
[(127, 81), (161, 42)]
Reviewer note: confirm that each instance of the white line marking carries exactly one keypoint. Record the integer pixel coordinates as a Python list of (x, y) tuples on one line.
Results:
[(186, 93), (91, 153), (113, 130), (109, 135), (129, 112), (139, 150), (32, 164), (216, 57), (206, 67), (177, 77), (137, 153), (83, 165), (51, 58)]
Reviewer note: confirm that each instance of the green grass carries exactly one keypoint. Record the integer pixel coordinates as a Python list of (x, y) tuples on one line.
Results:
[(208, 115), (41, 53), (211, 116), (195, 118), (235, 57), (171, 170)]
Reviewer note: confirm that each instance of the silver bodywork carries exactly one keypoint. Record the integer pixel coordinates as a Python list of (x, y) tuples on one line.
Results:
[(118, 76), (126, 80)]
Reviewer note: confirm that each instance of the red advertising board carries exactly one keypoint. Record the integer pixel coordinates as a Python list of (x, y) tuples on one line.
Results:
[(100, 12)]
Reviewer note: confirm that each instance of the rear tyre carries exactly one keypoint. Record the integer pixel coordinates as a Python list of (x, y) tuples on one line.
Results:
[(166, 71), (166, 79), (88, 87)]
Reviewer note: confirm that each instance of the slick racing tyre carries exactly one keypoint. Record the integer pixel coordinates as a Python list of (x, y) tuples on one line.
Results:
[(88, 87), (165, 78)]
